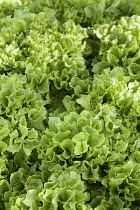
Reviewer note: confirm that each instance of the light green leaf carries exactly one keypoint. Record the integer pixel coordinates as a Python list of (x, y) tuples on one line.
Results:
[(99, 67), (85, 101)]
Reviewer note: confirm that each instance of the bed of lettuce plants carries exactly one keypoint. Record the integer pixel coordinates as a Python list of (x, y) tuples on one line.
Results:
[(69, 105)]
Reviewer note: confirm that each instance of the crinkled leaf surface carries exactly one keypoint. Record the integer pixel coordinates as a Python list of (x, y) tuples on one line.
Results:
[(69, 105)]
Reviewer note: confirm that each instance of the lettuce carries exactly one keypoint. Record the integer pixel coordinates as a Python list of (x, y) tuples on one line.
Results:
[(69, 105)]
